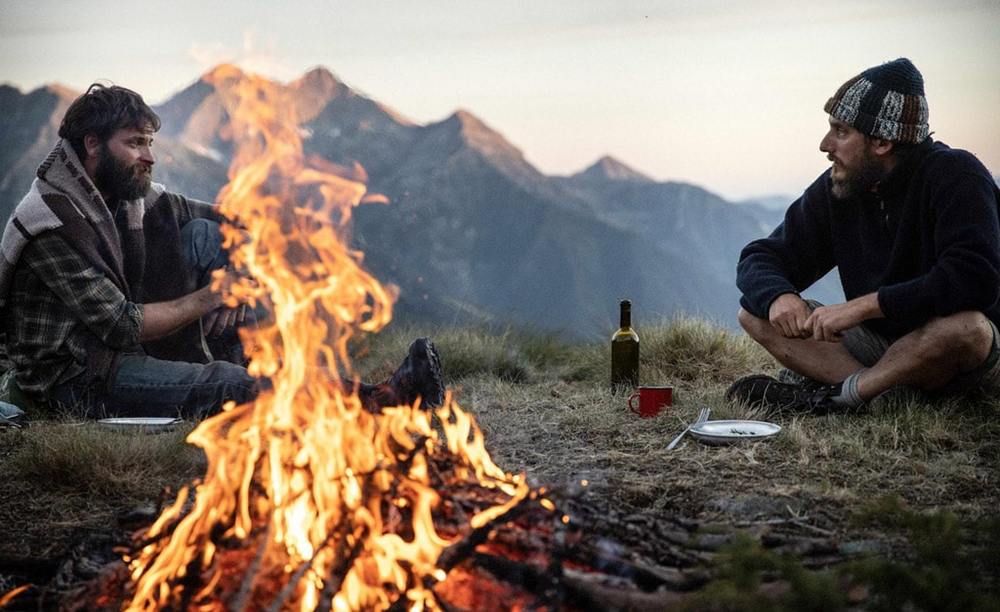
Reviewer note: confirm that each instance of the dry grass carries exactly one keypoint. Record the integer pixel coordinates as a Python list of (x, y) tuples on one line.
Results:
[(558, 421), (547, 410)]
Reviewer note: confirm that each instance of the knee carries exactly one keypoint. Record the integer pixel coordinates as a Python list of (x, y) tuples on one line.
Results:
[(202, 245), (232, 382), (967, 336)]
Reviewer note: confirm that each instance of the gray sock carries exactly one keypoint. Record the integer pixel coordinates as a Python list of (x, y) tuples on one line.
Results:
[(849, 395)]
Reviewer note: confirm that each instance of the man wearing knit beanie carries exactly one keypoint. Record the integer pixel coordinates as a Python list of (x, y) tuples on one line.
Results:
[(912, 226)]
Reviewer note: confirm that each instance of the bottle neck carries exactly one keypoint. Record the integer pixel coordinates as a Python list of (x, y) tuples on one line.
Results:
[(626, 317)]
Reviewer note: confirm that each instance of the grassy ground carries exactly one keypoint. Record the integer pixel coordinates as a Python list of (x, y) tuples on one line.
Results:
[(902, 468)]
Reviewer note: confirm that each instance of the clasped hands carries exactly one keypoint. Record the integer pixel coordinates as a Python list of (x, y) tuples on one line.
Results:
[(224, 317), (794, 318)]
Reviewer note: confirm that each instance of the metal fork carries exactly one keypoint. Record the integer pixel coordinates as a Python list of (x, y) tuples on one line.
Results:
[(702, 417)]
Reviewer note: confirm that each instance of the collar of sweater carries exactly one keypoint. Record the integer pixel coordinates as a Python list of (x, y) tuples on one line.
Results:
[(896, 182)]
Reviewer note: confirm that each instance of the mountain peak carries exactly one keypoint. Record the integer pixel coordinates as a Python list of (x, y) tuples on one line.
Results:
[(466, 119), (472, 127), (463, 130), (314, 90), (318, 80), (608, 168), (222, 72)]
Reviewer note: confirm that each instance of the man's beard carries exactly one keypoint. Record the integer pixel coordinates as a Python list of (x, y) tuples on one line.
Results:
[(120, 181), (860, 179)]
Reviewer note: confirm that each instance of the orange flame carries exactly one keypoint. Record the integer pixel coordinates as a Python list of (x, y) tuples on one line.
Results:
[(303, 475)]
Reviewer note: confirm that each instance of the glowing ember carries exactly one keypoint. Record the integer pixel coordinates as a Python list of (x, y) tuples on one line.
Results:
[(308, 501)]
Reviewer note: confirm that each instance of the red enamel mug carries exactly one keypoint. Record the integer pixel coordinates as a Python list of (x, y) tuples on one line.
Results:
[(651, 400)]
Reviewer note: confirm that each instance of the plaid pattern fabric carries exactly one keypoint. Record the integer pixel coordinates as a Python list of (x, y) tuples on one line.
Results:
[(63, 303)]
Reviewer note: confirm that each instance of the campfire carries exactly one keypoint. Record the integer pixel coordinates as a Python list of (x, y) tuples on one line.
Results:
[(310, 501)]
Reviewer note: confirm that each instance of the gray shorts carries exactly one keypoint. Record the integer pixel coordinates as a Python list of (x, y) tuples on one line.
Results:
[(867, 346)]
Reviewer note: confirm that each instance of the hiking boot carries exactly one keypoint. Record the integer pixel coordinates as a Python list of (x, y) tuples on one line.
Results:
[(419, 376), (763, 391), (792, 377)]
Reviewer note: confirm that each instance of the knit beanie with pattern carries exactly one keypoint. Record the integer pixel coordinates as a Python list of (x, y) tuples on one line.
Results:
[(885, 101)]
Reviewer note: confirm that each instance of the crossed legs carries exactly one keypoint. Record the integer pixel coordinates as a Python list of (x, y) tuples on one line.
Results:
[(928, 358)]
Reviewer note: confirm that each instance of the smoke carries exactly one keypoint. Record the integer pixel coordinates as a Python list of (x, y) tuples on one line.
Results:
[(255, 54)]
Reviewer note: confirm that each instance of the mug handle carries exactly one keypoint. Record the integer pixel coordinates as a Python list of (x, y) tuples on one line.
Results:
[(630, 406)]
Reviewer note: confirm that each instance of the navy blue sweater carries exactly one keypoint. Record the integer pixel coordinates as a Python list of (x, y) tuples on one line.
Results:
[(928, 241)]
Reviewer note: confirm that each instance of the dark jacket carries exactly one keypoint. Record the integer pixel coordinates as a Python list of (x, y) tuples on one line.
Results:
[(928, 241)]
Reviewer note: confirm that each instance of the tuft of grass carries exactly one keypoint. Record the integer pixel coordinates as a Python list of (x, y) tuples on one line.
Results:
[(682, 349), (692, 349)]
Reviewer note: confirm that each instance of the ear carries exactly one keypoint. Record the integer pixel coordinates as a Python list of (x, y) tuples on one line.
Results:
[(92, 144), (881, 147)]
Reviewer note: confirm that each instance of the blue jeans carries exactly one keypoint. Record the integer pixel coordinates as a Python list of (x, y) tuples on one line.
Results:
[(143, 386)]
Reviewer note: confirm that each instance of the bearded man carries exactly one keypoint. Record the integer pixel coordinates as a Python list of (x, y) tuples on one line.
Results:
[(105, 282), (912, 226)]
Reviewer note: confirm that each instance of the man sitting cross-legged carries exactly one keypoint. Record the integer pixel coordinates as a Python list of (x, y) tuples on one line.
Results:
[(912, 226)]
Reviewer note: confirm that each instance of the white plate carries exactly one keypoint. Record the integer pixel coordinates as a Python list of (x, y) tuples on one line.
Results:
[(727, 432), (141, 423)]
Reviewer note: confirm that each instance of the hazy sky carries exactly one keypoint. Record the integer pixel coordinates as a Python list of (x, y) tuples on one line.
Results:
[(727, 95)]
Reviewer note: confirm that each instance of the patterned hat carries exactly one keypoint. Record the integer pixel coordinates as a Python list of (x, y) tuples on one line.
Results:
[(886, 102)]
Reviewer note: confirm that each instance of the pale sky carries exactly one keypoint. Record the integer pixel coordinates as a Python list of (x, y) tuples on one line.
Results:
[(726, 95)]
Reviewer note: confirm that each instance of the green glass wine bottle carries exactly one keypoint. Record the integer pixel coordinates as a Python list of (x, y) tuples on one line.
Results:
[(625, 351)]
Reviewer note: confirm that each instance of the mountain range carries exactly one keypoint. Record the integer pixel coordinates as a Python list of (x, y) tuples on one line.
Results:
[(474, 233)]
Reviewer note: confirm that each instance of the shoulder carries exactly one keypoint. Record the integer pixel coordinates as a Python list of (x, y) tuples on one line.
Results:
[(42, 208), (48, 241), (50, 251), (943, 162)]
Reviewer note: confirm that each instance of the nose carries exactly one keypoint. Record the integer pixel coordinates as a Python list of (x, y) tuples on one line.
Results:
[(146, 155), (826, 144)]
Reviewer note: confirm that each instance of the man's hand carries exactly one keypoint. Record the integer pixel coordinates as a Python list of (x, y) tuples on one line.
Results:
[(788, 315), (222, 319), (827, 323)]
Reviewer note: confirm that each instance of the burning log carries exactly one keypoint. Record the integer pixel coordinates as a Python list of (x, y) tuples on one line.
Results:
[(459, 551)]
